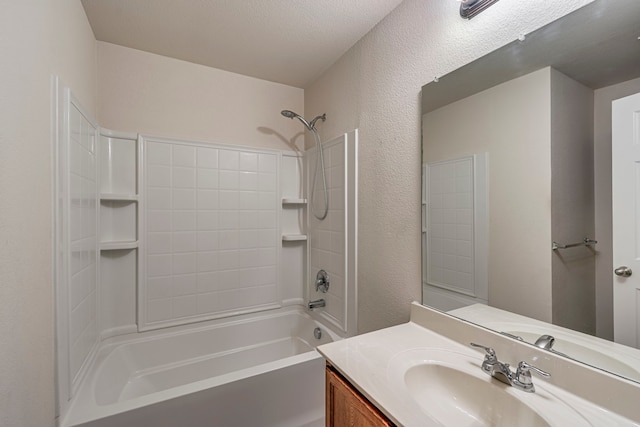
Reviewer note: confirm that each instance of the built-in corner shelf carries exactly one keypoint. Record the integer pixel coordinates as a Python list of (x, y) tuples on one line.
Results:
[(119, 197), (114, 246), (292, 201), (294, 237), (291, 210)]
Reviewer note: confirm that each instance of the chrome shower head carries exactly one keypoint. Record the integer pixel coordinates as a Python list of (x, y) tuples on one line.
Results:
[(311, 126), (288, 113)]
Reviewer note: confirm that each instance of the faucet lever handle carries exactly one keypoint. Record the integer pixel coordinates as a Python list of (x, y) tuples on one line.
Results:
[(523, 376), (490, 353), (525, 368)]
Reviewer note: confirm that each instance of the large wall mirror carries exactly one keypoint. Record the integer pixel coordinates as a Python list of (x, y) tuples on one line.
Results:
[(521, 228)]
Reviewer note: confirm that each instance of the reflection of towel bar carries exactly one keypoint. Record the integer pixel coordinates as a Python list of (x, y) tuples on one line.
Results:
[(586, 242)]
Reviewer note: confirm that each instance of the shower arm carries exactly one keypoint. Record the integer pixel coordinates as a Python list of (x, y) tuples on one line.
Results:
[(312, 125)]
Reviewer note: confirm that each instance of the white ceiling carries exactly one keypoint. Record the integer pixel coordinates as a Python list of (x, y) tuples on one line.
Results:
[(285, 41)]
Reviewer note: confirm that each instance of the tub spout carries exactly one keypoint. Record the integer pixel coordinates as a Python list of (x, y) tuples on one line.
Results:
[(316, 304)]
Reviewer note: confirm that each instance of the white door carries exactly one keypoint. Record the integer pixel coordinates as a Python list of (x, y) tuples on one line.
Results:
[(626, 219)]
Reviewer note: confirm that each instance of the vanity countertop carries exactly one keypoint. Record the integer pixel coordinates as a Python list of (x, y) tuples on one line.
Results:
[(364, 360), (367, 361)]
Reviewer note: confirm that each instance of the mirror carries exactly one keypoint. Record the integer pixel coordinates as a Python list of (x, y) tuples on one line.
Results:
[(516, 156)]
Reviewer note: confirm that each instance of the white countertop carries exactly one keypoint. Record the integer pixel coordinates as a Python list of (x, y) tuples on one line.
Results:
[(366, 361)]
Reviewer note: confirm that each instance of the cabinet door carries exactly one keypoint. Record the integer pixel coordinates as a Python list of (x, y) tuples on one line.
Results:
[(346, 407)]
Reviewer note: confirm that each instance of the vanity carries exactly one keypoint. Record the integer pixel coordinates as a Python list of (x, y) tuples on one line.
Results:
[(346, 406), (425, 373)]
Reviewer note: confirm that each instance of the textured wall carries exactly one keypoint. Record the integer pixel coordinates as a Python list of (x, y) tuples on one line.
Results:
[(37, 39), (375, 87), (153, 94)]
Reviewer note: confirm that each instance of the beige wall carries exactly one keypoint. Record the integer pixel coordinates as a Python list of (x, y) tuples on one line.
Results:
[(375, 87), (152, 94), (572, 206), (37, 39), (510, 122), (602, 166)]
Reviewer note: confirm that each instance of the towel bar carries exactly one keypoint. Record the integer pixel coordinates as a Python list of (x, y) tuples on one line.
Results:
[(586, 242)]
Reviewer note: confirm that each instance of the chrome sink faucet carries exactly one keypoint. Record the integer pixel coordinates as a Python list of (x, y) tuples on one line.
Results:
[(545, 342), (521, 378)]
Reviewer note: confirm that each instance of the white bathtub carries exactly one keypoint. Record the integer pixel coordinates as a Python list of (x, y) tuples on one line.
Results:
[(254, 370)]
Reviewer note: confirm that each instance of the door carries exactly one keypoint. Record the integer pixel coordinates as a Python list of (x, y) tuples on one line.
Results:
[(626, 219)]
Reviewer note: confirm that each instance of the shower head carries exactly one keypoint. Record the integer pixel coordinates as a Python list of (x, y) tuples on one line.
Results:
[(311, 126), (290, 114)]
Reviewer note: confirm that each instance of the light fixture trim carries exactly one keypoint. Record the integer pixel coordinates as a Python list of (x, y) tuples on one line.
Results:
[(470, 8)]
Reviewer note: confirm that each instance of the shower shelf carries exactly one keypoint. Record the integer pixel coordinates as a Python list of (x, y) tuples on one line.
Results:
[(113, 246), (291, 201), (119, 197), (293, 237)]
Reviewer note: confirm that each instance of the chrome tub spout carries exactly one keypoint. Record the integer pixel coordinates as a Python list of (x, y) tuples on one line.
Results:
[(316, 304)]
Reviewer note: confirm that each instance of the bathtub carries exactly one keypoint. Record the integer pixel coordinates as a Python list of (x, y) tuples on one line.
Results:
[(251, 370)]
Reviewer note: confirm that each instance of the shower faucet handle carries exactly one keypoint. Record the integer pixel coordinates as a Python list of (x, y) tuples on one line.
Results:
[(322, 281)]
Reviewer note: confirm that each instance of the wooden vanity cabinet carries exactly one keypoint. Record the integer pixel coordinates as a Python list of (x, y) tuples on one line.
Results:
[(346, 407)]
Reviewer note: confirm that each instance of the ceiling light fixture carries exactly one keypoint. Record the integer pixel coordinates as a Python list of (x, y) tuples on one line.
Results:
[(470, 8)]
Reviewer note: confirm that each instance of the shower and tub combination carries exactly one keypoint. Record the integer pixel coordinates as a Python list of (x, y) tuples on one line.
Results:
[(188, 283)]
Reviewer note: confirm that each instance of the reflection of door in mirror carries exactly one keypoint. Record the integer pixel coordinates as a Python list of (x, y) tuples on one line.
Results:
[(626, 202)]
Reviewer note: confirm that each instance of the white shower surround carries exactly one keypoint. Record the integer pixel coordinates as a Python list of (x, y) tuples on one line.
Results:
[(77, 256), (209, 231), (333, 240)]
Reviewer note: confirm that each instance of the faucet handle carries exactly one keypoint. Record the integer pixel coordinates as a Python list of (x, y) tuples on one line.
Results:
[(490, 353), (523, 376), (525, 368)]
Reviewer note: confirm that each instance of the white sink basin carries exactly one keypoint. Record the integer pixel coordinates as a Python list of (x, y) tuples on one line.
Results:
[(451, 389), (455, 398)]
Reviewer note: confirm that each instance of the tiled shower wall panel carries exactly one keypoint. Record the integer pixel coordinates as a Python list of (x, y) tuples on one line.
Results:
[(450, 219), (327, 236), (210, 239), (83, 235)]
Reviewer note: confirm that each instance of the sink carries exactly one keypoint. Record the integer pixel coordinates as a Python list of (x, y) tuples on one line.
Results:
[(456, 398), (450, 389)]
